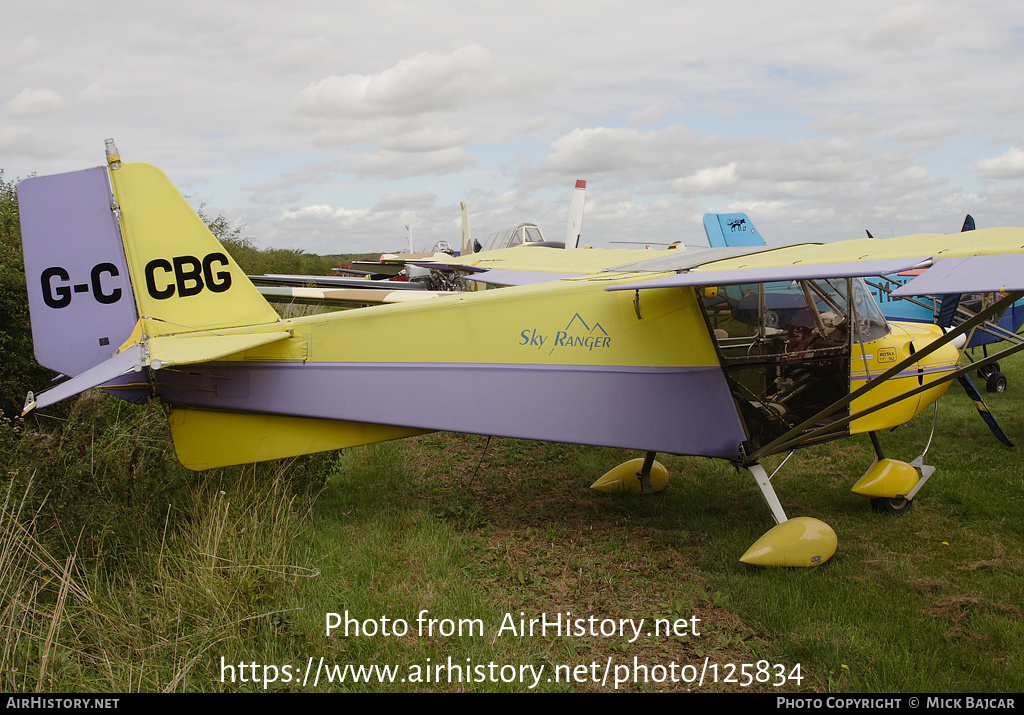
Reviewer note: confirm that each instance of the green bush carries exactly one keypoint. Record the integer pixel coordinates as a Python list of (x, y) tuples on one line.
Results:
[(20, 371)]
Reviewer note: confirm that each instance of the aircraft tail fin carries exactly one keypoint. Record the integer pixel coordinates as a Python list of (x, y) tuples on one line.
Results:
[(726, 230), (184, 280), (575, 225), (80, 295), (467, 241), (119, 270)]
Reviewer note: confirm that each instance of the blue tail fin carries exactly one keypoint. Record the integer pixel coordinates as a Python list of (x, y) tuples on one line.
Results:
[(725, 230)]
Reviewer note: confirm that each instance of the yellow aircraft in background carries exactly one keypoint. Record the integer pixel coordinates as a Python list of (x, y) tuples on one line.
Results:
[(734, 354)]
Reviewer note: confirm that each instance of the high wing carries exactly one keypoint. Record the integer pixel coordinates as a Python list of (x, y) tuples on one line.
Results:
[(860, 257), (840, 254)]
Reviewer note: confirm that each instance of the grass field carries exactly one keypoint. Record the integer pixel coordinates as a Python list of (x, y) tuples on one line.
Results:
[(122, 572)]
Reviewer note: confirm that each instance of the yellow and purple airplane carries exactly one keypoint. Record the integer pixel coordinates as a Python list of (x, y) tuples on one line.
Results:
[(734, 353)]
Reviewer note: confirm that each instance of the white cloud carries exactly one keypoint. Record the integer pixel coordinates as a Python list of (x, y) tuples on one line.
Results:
[(303, 54), (709, 181), (394, 165), (647, 116), (405, 200), (1009, 165), (31, 102), (602, 150), (312, 211), (425, 138), (429, 81), (909, 27), (21, 141), (96, 94), (25, 50)]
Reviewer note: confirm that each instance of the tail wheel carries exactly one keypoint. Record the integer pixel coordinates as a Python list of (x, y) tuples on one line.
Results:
[(885, 505)]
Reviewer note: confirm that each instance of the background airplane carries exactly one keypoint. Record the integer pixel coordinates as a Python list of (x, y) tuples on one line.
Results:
[(417, 269)]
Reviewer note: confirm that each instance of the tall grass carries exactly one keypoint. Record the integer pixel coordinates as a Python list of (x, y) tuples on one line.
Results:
[(134, 591), (224, 578)]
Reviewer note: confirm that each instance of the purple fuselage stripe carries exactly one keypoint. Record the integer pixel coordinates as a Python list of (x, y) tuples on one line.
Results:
[(675, 410)]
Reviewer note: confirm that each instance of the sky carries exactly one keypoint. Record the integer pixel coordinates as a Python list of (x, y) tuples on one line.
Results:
[(332, 126)]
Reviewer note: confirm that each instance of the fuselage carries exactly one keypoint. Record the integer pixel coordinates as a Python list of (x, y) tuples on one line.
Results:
[(563, 361)]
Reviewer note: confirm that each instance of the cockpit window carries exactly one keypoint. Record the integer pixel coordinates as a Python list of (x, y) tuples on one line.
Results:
[(870, 323), (498, 240), (784, 316), (785, 348), (515, 236)]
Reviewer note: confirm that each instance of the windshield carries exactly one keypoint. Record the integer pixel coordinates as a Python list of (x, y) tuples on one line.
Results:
[(514, 236), (870, 323)]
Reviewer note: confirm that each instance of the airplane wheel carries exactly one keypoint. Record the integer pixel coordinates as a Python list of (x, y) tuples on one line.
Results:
[(886, 505), (996, 382), (986, 372)]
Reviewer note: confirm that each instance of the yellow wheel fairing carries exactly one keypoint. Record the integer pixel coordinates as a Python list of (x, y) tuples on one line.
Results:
[(886, 479), (800, 542), (625, 478)]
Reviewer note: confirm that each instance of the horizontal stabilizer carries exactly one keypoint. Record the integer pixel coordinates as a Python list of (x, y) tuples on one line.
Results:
[(205, 439), (191, 348), (124, 362), (351, 297)]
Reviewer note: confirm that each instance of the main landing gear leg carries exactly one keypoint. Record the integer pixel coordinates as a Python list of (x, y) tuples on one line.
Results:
[(802, 541), (645, 473), (764, 483)]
